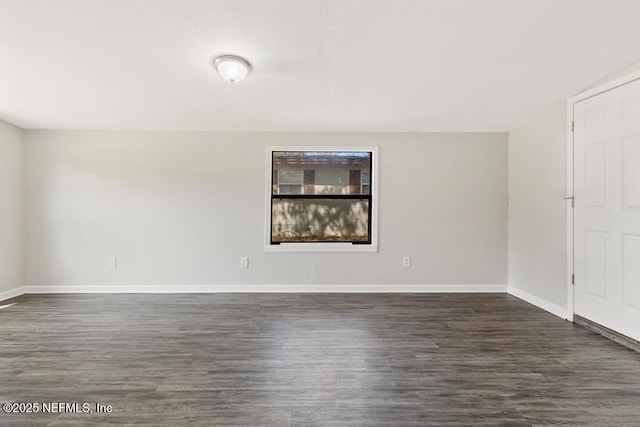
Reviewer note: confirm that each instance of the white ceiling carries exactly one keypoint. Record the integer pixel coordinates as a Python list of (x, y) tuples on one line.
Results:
[(319, 65)]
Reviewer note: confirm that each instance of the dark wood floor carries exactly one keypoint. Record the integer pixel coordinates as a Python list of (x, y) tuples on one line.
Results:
[(311, 359)]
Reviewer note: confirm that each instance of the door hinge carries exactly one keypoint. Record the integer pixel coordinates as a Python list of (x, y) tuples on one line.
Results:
[(573, 279), (573, 205), (573, 126)]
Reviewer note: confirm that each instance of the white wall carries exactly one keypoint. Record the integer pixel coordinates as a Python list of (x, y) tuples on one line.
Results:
[(182, 208), (11, 208), (537, 211)]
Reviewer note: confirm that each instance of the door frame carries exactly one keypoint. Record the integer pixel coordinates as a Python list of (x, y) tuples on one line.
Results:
[(589, 93)]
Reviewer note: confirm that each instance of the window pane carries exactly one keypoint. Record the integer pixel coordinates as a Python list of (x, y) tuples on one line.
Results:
[(320, 220), (334, 172)]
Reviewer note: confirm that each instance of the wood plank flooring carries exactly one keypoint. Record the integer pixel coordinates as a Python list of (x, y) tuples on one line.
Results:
[(310, 360)]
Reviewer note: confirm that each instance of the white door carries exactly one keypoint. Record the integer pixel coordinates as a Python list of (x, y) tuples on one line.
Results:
[(607, 209)]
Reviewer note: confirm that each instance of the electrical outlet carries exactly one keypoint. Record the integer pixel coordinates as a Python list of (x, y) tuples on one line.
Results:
[(406, 261), (244, 262), (112, 262)]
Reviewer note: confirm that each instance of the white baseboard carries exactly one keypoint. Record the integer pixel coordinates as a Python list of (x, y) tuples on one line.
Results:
[(540, 303), (266, 288), (12, 293)]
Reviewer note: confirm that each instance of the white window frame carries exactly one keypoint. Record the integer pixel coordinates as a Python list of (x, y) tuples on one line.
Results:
[(322, 246)]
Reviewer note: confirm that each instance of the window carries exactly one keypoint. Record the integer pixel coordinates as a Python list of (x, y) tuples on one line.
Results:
[(321, 199), (366, 186), (289, 182)]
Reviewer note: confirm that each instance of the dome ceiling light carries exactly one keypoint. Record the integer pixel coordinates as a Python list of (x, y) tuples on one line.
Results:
[(232, 68)]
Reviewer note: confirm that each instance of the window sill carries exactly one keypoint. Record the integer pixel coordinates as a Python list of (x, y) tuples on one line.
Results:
[(319, 247)]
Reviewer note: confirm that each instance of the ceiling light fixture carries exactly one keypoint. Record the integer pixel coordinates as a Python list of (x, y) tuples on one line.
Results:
[(232, 68)]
